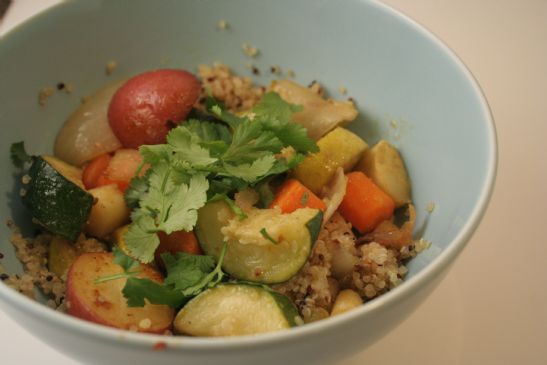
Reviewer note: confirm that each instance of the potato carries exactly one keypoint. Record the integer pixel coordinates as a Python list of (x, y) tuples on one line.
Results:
[(108, 213), (104, 303), (61, 255), (144, 109), (384, 165), (339, 148), (346, 300)]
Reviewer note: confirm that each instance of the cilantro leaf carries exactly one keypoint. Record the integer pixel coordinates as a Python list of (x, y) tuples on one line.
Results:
[(187, 276), (136, 290), (186, 147), (275, 114), (218, 110), (19, 155), (141, 238), (185, 270), (185, 201), (250, 142), (138, 186), (231, 204), (251, 172)]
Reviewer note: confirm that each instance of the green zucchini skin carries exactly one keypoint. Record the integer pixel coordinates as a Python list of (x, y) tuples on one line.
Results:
[(235, 309), (55, 202), (269, 264)]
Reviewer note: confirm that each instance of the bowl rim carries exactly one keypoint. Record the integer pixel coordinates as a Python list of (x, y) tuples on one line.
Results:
[(409, 286)]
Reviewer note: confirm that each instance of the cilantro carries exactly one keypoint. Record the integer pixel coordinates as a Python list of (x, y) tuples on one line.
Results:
[(136, 189), (304, 199), (187, 276), (231, 204), (267, 236), (265, 193), (128, 264), (164, 207), (251, 172), (275, 114), (19, 155), (205, 159)]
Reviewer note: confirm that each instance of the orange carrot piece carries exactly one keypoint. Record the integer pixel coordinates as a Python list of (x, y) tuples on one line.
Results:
[(180, 241), (365, 205), (95, 170), (293, 195), (95, 174)]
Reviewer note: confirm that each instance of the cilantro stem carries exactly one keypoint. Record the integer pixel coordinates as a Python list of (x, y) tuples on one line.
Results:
[(122, 275), (212, 279), (267, 236)]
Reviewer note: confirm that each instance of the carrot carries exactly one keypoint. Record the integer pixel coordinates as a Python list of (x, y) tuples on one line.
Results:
[(95, 174), (180, 241), (365, 205), (95, 170), (293, 195)]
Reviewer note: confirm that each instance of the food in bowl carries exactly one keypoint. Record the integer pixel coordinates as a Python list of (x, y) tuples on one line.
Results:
[(213, 208)]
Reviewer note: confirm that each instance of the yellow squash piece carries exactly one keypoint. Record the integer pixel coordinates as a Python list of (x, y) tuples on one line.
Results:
[(339, 148), (384, 165), (61, 255)]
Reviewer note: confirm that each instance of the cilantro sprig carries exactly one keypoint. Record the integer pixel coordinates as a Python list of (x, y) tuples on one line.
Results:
[(187, 276), (128, 265), (19, 155), (204, 159)]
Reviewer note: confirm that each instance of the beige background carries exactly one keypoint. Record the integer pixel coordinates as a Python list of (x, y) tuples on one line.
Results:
[(492, 307)]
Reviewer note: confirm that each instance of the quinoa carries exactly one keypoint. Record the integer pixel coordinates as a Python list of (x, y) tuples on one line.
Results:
[(237, 93), (339, 262), (33, 253)]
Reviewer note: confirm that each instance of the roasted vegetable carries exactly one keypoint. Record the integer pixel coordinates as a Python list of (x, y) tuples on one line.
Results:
[(235, 310), (339, 148), (109, 211), (319, 116), (56, 197), (266, 247), (104, 302), (384, 165)]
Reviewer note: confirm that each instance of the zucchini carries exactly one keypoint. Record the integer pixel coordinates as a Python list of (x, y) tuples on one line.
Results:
[(56, 197), (267, 247), (235, 309)]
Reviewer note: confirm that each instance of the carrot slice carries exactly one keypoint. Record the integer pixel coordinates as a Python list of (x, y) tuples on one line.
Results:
[(180, 241), (95, 174), (365, 205), (95, 170), (293, 195)]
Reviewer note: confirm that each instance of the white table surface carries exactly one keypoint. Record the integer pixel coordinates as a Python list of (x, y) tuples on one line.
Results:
[(492, 307)]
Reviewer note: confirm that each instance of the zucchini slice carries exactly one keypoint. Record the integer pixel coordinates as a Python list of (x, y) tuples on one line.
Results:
[(267, 247), (236, 310), (56, 197)]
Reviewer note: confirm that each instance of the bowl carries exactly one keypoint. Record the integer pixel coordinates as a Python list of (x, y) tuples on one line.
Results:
[(409, 87)]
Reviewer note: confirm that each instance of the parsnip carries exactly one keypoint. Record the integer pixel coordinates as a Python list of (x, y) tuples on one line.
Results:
[(384, 165)]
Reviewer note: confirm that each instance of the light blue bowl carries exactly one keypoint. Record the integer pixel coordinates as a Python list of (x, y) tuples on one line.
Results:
[(399, 74)]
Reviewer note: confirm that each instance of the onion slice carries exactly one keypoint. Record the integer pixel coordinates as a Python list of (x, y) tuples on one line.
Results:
[(334, 194), (319, 115), (86, 134)]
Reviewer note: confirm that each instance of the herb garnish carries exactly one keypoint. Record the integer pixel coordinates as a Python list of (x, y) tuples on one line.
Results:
[(205, 159), (19, 155), (267, 236)]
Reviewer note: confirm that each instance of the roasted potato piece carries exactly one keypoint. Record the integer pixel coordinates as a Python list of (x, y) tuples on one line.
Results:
[(319, 116), (104, 303), (109, 211), (339, 148), (384, 165)]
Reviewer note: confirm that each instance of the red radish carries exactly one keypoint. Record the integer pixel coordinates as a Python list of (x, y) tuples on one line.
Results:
[(104, 303), (145, 108)]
